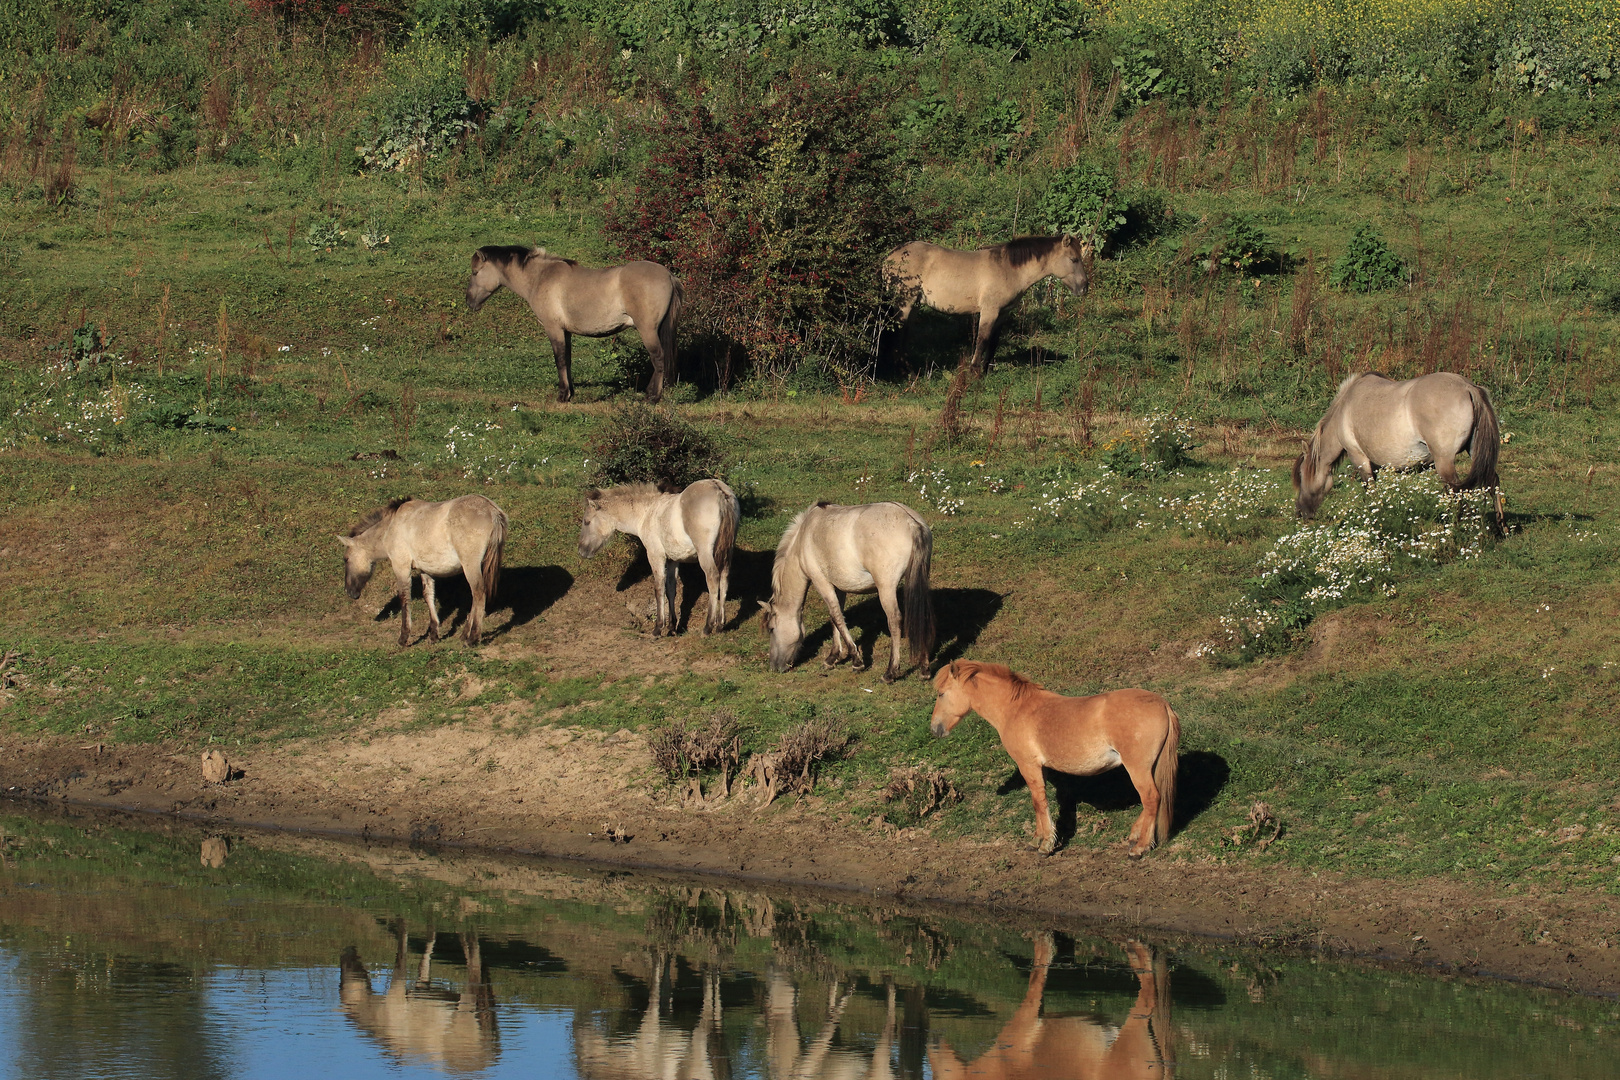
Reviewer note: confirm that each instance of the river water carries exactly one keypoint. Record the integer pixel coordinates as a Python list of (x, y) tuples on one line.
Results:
[(137, 949)]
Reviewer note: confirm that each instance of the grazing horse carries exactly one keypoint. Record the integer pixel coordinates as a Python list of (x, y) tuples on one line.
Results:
[(433, 539), (696, 525), (1033, 1043), (985, 282), (1378, 421), (845, 549), (570, 299), (1083, 736)]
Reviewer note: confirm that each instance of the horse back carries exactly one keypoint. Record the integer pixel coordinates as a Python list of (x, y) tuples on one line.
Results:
[(1083, 735)]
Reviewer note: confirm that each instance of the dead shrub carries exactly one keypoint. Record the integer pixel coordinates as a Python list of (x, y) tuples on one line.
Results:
[(687, 753), (1262, 829), (916, 793), (793, 766)]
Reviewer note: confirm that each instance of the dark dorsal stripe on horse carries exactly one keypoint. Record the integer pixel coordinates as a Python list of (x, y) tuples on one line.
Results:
[(373, 516), (1027, 249)]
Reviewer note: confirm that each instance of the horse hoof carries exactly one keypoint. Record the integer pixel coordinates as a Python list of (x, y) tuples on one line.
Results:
[(1046, 847), (890, 676)]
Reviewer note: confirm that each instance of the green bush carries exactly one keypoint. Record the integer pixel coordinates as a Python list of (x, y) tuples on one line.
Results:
[(1367, 264), (1084, 200), (641, 444), (1240, 245)]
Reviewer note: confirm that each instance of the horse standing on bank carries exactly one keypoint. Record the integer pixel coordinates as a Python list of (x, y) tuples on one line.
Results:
[(878, 548), (1377, 421), (433, 539), (985, 282), (698, 524), (1083, 736), (571, 299)]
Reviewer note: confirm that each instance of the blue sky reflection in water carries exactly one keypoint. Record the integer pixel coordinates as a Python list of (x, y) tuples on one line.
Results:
[(124, 954)]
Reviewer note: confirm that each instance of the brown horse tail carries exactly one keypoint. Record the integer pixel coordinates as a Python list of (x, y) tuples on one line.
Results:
[(492, 556), (1486, 443), (725, 541), (1164, 774), (918, 617)]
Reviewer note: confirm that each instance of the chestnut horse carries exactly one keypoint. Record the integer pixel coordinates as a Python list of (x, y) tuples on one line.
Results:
[(1378, 421), (983, 283), (1082, 736), (570, 299)]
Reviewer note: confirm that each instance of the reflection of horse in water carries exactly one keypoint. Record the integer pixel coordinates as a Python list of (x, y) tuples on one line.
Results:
[(1032, 1045), (417, 1022), (659, 1049)]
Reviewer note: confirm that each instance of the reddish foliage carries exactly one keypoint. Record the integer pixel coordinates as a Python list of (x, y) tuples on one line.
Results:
[(337, 14), (775, 216)]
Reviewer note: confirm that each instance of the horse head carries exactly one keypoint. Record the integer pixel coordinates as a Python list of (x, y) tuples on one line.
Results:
[(786, 633), (485, 281), (1072, 266), (954, 702), (357, 564), (1312, 482), (597, 527)]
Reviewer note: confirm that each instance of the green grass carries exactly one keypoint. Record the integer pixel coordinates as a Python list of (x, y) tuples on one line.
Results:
[(180, 582)]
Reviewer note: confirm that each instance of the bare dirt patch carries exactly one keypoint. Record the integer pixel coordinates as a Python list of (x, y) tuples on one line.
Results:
[(580, 793)]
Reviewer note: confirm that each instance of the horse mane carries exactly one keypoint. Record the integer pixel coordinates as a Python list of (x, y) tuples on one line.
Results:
[(1018, 685), (625, 493), (1026, 249), (1332, 411), (371, 518), (789, 545), (508, 254)]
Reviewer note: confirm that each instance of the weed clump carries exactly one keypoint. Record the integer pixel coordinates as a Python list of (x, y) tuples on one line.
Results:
[(1367, 264), (1163, 444), (793, 766), (915, 793), (645, 445), (688, 753)]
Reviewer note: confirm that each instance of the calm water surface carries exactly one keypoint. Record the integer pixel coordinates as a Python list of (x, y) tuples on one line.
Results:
[(129, 953)]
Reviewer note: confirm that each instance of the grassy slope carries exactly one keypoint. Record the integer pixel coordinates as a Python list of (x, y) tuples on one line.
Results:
[(182, 583)]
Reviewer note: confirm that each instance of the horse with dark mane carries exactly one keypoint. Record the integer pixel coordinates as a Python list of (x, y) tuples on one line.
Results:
[(571, 299), (1377, 421), (985, 282)]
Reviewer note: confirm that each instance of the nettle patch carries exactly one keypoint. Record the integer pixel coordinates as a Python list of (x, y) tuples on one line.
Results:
[(1403, 523)]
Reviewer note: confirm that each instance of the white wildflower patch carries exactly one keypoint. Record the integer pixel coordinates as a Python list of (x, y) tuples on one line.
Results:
[(935, 490), (1160, 444), (1228, 506), (75, 410), (1066, 497), (486, 451), (1403, 522)]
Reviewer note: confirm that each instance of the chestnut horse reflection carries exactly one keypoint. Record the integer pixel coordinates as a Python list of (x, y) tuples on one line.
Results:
[(1033, 1045), (418, 1023)]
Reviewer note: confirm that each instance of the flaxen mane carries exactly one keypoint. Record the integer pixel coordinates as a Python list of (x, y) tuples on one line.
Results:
[(625, 492), (373, 517), (1019, 684), (1332, 411), (787, 549), (1025, 249)]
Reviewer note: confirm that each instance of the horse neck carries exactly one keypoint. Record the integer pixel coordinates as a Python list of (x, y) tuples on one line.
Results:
[(632, 513), (1035, 270), (994, 704), (374, 540), (1326, 443), (789, 582)]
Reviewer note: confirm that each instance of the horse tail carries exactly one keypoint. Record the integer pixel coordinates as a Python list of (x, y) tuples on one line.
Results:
[(1164, 774), (725, 540), (666, 326), (918, 616), (1487, 441), (492, 555)]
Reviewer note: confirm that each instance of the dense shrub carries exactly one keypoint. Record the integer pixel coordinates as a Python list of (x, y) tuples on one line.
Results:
[(643, 444), (1084, 200), (1240, 244), (775, 214), (1367, 264)]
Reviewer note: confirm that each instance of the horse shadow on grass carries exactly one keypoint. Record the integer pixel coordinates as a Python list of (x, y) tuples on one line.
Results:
[(525, 591), (1200, 778), (960, 616)]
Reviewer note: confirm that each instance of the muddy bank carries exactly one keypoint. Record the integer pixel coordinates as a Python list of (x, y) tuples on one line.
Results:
[(562, 791)]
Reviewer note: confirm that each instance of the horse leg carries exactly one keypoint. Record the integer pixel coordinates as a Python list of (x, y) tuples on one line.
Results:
[(655, 352), (403, 587), (843, 646), (1446, 466), (717, 590), (562, 346), (984, 345), (432, 606), (1045, 831), (1143, 835), (890, 599), (473, 634), (663, 575)]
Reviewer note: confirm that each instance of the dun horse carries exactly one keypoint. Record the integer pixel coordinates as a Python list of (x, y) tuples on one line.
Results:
[(1083, 736), (1378, 421), (571, 299), (845, 549), (698, 524), (985, 282), (433, 539)]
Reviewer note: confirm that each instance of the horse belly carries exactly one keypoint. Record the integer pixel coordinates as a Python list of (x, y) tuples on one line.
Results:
[(1086, 760), (852, 580), (680, 548)]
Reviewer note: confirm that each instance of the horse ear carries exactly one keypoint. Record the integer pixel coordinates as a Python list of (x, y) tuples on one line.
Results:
[(593, 496), (346, 541)]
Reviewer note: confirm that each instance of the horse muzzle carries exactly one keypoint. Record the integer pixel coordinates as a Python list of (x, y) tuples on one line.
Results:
[(939, 729), (474, 302)]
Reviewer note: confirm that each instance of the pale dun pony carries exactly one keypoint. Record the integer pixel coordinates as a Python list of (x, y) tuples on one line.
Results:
[(1082, 736), (985, 282), (1377, 421), (571, 299), (434, 539), (698, 525), (853, 549)]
